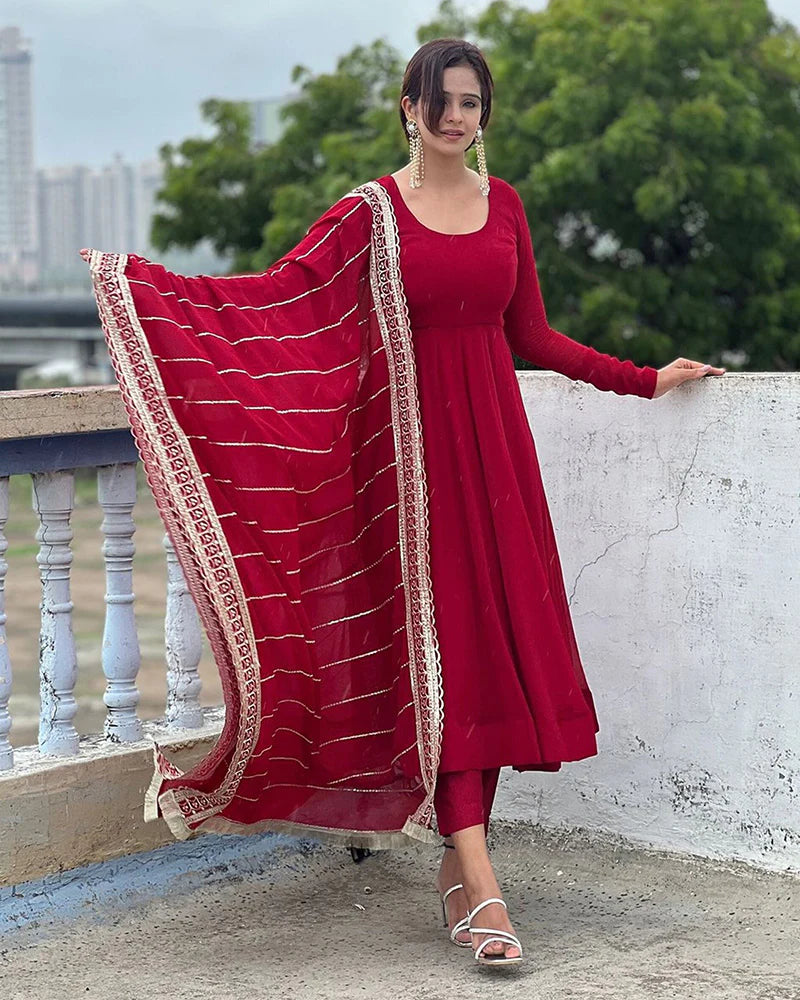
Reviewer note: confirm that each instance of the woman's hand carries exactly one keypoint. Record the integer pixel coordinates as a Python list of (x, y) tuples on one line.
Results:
[(682, 370)]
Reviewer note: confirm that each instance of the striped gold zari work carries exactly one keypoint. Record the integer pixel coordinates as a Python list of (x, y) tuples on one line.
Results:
[(278, 421)]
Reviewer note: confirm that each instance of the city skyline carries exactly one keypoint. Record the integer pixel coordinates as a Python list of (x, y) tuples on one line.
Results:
[(48, 212), (100, 75), (102, 68), (45, 207), (19, 251)]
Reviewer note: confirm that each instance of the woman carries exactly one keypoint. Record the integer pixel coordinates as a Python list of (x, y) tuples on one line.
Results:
[(339, 451)]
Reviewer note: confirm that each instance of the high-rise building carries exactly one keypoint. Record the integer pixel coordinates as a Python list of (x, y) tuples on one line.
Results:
[(64, 195), (18, 231), (266, 121), (79, 207), (110, 220), (148, 181), (109, 209)]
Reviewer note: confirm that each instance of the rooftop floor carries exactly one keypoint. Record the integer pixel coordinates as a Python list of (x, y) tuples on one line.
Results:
[(597, 921)]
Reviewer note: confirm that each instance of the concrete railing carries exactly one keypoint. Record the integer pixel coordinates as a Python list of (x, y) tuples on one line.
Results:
[(70, 799), (49, 435), (677, 521)]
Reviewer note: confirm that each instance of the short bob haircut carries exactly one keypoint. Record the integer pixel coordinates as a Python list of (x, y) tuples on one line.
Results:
[(425, 72)]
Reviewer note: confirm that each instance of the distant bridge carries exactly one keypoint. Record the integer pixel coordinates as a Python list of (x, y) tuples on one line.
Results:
[(34, 330)]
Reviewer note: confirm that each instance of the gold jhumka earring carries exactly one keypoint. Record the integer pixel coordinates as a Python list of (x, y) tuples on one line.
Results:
[(417, 162), (480, 152), (415, 154)]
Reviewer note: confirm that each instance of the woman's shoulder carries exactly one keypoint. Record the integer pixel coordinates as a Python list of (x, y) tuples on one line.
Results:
[(349, 204), (499, 182), (507, 204), (347, 220), (505, 188)]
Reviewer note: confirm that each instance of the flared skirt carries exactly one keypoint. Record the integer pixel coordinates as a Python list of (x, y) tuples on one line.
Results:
[(515, 692)]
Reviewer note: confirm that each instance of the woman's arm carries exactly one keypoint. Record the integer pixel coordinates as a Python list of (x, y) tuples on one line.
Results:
[(532, 338), (339, 237)]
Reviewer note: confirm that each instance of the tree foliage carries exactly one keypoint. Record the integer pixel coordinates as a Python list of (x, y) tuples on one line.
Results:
[(655, 143), (256, 204)]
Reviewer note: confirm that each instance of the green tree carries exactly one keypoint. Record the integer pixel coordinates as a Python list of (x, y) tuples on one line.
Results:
[(210, 187), (655, 143), (342, 130), (256, 204)]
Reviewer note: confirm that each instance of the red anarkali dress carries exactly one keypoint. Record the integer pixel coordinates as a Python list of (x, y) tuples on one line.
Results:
[(515, 692), (340, 454)]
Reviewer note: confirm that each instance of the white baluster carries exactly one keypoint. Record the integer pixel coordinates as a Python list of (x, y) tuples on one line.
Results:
[(116, 491), (6, 752), (53, 500), (184, 648)]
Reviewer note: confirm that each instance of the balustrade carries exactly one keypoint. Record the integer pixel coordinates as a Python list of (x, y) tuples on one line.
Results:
[(51, 461)]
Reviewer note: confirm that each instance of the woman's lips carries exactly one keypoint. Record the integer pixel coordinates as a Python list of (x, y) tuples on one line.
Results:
[(453, 135)]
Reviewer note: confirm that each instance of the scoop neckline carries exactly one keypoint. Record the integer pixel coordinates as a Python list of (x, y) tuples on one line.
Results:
[(438, 232)]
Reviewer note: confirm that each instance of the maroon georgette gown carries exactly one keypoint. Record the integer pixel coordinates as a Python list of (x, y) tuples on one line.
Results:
[(515, 693)]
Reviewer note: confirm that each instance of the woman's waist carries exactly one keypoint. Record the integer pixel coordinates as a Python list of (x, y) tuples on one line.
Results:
[(490, 326)]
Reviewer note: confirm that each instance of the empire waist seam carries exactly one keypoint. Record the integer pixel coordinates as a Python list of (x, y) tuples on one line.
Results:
[(455, 326)]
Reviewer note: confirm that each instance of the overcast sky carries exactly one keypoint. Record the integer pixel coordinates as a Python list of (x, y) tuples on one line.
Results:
[(123, 76)]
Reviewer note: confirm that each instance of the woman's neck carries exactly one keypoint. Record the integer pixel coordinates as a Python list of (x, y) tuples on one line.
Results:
[(443, 173)]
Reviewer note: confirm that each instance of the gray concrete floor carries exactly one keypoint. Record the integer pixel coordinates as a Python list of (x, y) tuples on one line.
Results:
[(596, 920)]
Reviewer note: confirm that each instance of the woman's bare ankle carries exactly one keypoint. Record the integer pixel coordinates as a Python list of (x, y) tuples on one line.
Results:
[(476, 871)]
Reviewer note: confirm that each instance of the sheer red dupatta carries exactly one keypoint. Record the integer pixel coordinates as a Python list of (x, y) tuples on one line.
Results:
[(278, 423)]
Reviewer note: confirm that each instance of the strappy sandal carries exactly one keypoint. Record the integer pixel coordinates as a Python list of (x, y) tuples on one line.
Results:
[(460, 925), (506, 937), (463, 923)]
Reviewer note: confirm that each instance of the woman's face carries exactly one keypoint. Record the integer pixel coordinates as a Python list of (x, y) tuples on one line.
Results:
[(461, 115)]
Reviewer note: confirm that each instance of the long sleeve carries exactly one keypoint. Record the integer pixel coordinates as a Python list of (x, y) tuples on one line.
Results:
[(532, 338)]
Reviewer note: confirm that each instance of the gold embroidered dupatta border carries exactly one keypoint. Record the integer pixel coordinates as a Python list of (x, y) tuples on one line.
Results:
[(200, 543)]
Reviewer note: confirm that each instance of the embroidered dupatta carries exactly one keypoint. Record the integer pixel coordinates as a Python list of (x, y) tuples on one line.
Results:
[(278, 422)]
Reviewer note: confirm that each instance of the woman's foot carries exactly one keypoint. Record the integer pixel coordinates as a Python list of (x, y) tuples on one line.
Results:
[(480, 883), (456, 904), (494, 915)]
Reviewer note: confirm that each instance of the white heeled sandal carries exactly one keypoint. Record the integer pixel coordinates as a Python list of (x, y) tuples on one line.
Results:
[(506, 937), (460, 925), (463, 923)]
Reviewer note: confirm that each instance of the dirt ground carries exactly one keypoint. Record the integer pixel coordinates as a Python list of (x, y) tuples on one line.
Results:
[(23, 594), (236, 920)]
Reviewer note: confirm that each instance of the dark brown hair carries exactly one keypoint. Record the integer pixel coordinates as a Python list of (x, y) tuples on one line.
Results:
[(425, 72)]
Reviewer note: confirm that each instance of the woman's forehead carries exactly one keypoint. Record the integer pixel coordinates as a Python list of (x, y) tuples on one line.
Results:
[(460, 74)]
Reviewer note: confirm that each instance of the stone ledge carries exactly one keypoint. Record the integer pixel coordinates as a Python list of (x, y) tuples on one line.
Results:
[(58, 813), (34, 413), (43, 412)]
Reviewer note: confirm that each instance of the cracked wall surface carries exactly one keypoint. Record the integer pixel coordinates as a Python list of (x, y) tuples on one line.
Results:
[(678, 525)]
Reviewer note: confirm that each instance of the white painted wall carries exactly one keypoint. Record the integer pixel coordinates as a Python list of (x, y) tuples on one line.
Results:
[(678, 523)]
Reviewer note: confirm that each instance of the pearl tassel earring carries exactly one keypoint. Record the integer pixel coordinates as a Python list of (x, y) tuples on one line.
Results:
[(415, 154), (480, 151)]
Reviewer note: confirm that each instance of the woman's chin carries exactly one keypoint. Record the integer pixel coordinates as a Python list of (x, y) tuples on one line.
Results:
[(451, 148)]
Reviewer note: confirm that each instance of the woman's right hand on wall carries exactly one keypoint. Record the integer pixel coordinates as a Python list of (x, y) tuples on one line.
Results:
[(682, 370)]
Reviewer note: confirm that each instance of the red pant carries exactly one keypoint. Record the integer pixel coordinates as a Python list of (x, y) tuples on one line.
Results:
[(464, 798)]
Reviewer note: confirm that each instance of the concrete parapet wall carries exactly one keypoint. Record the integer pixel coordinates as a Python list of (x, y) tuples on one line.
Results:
[(38, 413), (678, 524)]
